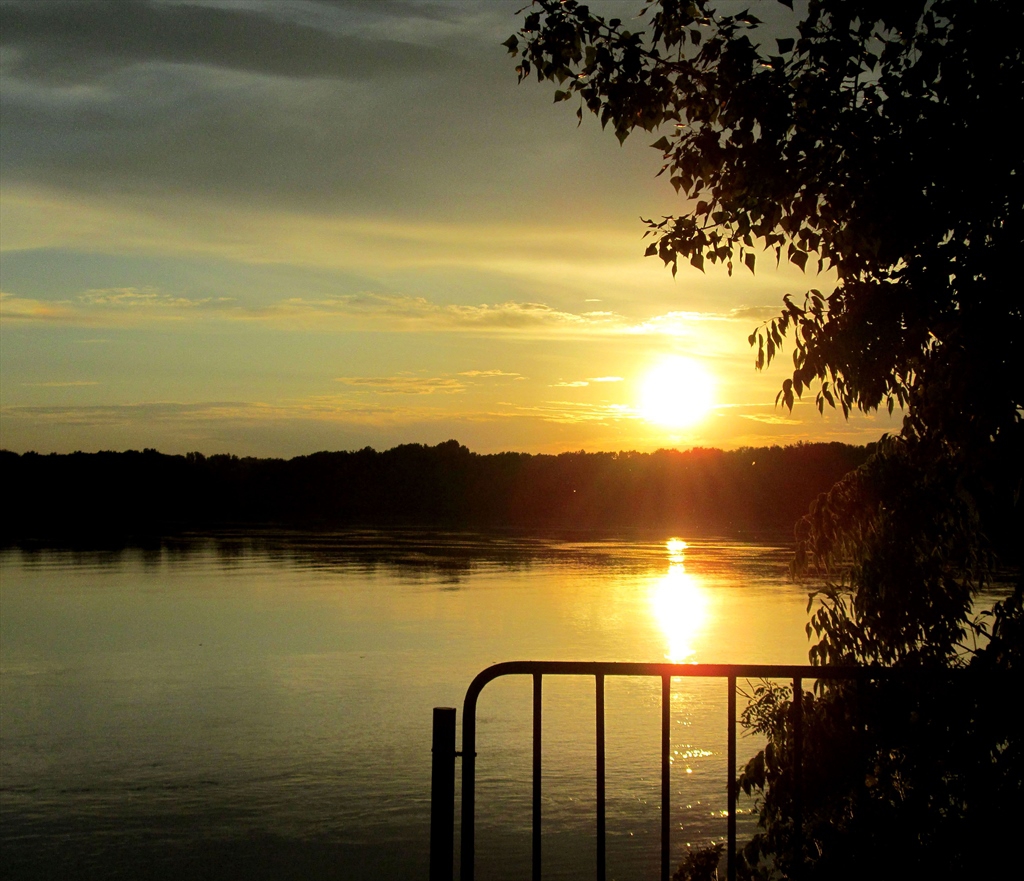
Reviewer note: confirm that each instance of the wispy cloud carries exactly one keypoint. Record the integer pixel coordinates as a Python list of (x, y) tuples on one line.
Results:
[(110, 307), (569, 412), (755, 313), (770, 418), (81, 41), (143, 298), (677, 323), (14, 308), (319, 408), (395, 312), (75, 383), (491, 373), (404, 384), (118, 414), (415, 384), (411, 313)]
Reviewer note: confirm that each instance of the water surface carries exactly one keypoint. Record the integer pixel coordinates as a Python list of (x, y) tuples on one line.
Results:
[(259, 706)]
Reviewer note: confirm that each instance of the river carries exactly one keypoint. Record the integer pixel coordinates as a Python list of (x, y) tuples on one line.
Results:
[(259, 706)]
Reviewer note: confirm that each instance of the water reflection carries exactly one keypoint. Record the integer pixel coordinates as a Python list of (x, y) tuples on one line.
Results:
[(680, 604), (258, 705)]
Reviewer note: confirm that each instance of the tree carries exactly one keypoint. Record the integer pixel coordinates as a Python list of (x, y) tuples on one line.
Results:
[(863, 136)]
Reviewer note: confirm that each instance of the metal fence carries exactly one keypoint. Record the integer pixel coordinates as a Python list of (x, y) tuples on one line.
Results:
[(444, 752)]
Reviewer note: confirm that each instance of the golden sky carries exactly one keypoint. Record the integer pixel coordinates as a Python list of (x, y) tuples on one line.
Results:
[(275, 228)]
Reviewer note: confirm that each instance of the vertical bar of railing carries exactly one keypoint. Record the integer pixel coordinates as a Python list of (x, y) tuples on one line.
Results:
[(798, 749), (666, 715), (601, 828), (442, 795), (536, 773), (467, 856), (731, 781)]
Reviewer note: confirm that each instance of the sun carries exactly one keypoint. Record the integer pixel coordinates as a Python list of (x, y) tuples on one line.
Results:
[(676, 393)]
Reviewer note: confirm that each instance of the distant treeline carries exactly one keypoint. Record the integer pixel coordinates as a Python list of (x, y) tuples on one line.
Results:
[(762, 489)]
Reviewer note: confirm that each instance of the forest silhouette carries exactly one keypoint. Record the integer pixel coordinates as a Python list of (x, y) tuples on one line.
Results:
[(762, 490)]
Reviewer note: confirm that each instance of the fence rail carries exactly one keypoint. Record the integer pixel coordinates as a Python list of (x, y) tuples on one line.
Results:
[(443, 783)]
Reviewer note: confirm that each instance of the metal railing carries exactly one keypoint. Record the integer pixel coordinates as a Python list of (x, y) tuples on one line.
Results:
[(444, 752)]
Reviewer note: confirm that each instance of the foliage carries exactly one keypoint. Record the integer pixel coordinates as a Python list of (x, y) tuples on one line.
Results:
[(847, 140), (900, 779), (862, 137), (117, 494), (699, 864)]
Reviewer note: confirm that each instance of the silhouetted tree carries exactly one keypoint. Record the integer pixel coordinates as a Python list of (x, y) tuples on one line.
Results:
[(117, 495), (861, 136)]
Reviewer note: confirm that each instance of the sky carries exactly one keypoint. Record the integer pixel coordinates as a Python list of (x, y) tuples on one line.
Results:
[(270, 228)]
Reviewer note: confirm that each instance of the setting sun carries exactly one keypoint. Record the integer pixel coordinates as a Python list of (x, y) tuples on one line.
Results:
[(676, 393)]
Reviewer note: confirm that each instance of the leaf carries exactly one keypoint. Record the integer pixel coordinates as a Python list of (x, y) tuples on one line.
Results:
[(785, 45), (562, 96), (662, 144), (799, 258), (749, 261)]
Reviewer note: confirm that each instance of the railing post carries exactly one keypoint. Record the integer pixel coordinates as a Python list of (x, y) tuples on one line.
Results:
[(442, 795), (666, 783), (731, 778), (798, 771), (601, 825), (537, 760)]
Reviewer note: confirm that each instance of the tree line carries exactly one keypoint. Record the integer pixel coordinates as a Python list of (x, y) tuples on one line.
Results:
[(763, 489)]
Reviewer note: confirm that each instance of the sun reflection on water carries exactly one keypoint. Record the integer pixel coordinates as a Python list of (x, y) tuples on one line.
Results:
[(680, 604), (676, 548)]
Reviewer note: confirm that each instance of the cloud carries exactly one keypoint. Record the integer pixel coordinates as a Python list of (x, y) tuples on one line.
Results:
[(755, 313), (112, 307), (379, 107), (78, 41), (70, 384), (139, 298), (680, 323), (369, 245), (156, 413), (401, 312), (570, 412), (404, 384), (15, 308), (677, 323), (116, 414), (605, 379), (411, 384), (489, 373), (770, 418), (578, 383), (508, 316), (395, 312)]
